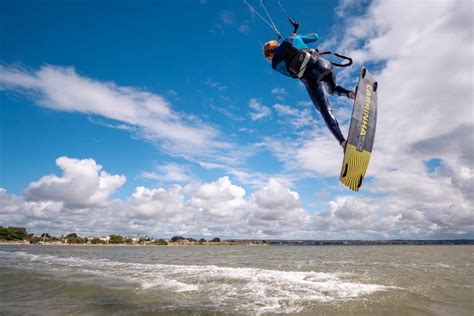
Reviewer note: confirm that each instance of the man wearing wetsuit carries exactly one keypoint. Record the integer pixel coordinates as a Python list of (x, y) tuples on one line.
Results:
[(293, 58)]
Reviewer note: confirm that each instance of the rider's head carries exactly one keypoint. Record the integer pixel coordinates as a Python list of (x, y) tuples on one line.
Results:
[(269, 49)]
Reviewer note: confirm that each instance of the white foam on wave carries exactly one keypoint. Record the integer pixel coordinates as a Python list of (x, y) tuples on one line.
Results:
[(442, 265), (248, 289)]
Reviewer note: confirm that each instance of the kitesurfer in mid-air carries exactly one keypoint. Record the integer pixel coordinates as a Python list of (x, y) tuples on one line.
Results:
[(293, 58)]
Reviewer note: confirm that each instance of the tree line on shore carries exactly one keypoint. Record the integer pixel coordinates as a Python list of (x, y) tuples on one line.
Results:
[(21, 234)]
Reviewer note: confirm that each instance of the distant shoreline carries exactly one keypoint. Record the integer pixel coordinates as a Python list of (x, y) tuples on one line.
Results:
[(260, 243), (20, 236), (170, 244)]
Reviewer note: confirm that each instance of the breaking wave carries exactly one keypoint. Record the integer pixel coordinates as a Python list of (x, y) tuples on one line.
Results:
[(248, 289)]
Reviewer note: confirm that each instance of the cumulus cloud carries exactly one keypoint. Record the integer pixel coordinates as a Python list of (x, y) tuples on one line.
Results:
[(277, 210), (222, 208), (219, 199), (10, 207), (83, 184), (157, 204), (67, 203), (355, 218), (363, 217), (276, 200)]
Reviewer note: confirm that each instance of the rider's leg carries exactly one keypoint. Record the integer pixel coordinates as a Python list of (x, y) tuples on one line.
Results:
[(318, 95), (333, 89)]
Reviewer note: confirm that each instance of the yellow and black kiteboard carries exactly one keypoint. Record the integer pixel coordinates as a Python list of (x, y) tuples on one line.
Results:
[(360, 140)]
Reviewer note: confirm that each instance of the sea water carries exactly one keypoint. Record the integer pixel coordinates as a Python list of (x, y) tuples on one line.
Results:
[(236, 280)]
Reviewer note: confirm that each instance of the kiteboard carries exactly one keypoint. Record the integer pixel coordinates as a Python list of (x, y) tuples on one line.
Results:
[(360, 139)]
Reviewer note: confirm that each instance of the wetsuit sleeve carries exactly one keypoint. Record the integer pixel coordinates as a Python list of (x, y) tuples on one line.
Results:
[(309, 38)]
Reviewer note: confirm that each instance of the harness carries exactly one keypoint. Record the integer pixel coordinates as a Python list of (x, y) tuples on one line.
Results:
[(300, 62), (297, 60)]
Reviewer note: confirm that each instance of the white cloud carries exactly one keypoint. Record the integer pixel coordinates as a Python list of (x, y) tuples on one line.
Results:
[(315, 154), (260, 111), (275, 202), (221, 208), (297, 118), (255, 179), (150, 115), (393, 217), (219, 199), (156, 204), (278, 91), (344, 6), (83, 184), (425, 112), (425, 92), (171, 172)]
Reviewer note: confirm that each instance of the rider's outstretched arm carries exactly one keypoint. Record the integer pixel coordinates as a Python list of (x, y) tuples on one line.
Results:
[(310, 38)]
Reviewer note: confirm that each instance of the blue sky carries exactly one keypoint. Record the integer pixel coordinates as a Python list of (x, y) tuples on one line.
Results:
[(166, 48), (166, 115)]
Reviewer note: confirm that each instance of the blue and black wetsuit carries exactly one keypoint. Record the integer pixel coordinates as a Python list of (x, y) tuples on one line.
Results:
[(317, 75)]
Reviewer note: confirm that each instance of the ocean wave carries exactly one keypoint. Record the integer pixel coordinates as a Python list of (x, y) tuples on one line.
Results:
[(248, 289)]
